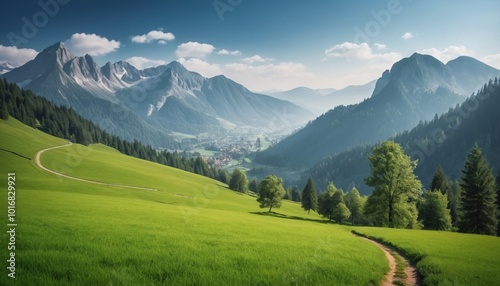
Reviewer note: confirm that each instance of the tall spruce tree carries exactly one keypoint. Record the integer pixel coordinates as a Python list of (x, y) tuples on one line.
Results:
[(478, 204), (439, 181), (4, 112), (309, 196)]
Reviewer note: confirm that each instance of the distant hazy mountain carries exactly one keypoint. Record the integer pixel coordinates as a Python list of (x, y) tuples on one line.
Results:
[(416, 88), (445, 140), (321, 100), (149, 104)]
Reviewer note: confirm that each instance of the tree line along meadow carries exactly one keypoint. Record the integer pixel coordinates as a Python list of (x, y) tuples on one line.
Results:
[(470, 205)]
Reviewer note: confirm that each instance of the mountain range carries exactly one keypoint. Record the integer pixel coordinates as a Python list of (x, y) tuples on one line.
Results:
[(149, 105), (414, 89), (320, 101), (443, 141)]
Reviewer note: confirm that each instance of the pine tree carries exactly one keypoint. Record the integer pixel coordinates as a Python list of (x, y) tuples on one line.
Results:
[(4, 112), (478, 198), (309, 196), (498, 198), (439, 181)]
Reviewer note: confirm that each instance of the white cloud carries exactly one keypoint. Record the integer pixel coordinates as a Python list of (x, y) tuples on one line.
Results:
[(255, 59), (200, 66), (284, 75), (226, 52), (194, 50), (492, 60), (15, 56), (359, 51), (407, 36), (142, 63), (379, 46), (449, 53), (155, 35), (92, 44)]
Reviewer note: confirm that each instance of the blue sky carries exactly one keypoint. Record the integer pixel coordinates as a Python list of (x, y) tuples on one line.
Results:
[(262, 44)]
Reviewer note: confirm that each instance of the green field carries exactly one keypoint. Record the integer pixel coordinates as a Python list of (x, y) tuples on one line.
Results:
[(446, 258), (192, 230)]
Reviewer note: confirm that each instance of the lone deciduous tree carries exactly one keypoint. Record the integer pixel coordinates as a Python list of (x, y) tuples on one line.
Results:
[(309, 196), (271, 192), (478, 197), (396, 188)]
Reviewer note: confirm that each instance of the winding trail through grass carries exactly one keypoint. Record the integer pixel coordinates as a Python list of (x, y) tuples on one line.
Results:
[(408, 277), (39, 164)]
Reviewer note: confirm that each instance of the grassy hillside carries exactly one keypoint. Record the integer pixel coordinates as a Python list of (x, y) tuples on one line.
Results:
[(446, 258), (193, 230)]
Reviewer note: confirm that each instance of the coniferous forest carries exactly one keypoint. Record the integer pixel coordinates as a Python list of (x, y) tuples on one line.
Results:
[(443, 141)]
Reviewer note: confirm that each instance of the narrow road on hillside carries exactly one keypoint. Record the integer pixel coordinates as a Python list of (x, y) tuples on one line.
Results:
[(39, 164), (410, 277)]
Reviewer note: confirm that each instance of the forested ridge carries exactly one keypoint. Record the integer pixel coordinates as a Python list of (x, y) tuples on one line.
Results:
[(64, 122), (444, 140)]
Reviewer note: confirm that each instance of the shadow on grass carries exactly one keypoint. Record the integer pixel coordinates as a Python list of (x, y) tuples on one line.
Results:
[(284, 216), (14, 153)]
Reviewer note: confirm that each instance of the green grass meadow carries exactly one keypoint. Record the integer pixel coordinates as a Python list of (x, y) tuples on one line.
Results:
[(192, 230), (445, 258)]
